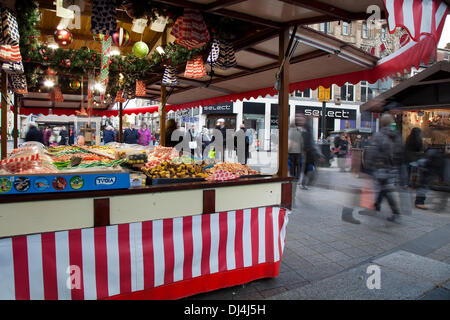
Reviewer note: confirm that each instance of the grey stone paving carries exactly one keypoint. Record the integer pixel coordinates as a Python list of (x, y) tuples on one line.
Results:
[(319, 245)]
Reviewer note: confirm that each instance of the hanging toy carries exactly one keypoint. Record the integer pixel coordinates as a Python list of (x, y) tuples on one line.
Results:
[(140, 49)]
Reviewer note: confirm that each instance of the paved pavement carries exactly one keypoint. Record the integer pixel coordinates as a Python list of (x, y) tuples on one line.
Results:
[(327, 258)]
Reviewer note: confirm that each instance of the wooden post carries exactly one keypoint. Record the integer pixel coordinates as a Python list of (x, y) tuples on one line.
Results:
[(4, 113), (16, 126), (283, 106), (162, 111), (120, 122)]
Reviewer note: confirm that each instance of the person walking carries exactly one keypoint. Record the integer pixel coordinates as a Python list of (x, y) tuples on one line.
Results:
[(295, 144), (413, 149), (220, 126), (242, 153), (47, 135), (145, 136), (34, 134), (109, 135), (64, 136), (385, 155), (310, 156), (130, 135), (171, 126), (341, 149)]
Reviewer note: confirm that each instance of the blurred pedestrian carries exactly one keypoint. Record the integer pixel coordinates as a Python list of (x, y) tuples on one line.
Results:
[(385, 155), (64, 136), (413, 149), (34, 134), (47, 135), (131, 135), (295, 144), (145, 136), (341, 149), (310, 155), (109, 135), (171, 126), (242, 155)]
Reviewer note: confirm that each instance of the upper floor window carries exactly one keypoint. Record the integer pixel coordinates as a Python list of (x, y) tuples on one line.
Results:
[(348, 92), (346, 29), (303, 94), (383, 32), (325, 27), (365, 30), (366, 92)]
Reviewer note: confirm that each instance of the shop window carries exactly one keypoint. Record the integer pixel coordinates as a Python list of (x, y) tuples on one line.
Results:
[(347, 92), (366, 91)]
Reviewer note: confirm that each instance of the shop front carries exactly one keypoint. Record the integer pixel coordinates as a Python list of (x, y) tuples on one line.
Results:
[(220, 111), (254, 119)]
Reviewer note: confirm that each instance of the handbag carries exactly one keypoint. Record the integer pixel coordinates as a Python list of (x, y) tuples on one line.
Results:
[(192, 144)]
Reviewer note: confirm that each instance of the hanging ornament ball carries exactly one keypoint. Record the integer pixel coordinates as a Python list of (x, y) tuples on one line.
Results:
[(75, 84), (140, 49), (121, 37), (63, 37)]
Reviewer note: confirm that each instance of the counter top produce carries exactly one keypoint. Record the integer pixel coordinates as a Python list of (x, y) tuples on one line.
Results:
[(171, 170)]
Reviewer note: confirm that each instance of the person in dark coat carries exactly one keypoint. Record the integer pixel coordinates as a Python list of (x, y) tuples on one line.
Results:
[(64, 136), (34, 134), (413, 148), (47, 135), (131, 135), (109, 135), (170, 128), (242, 154)]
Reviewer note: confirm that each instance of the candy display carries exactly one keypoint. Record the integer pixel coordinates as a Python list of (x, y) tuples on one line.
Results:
[(172, 170), (236, 169)]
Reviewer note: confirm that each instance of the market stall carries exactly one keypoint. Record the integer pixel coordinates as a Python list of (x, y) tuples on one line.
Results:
[(168, 239)]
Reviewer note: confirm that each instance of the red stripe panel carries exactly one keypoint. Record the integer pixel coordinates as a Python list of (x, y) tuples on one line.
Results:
[(49, 263), (398, 7), (188, 247), (280, 227), (223, 234), (206, 243), (255, 235), (147, 248), (124, 257), (269, 235), (169, 254), (76, 259), (205, 283), (238, 243), (101, 262), (21, 277), (417, 12)]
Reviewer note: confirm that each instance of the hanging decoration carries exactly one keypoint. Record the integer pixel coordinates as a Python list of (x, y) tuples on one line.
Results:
[(51, 72), (9, 36), (119, 97), (195, 68), (159, 24), (104, 17), (139, 25), (190, 30), (13, 67), (63, 37), (140, 88), (121, 37), (56, 95), (106, 61), (19, 83), (129, 91), (227, 56), (140, 49), (170, 77), (75, 85), (214, 53), (98, 37)]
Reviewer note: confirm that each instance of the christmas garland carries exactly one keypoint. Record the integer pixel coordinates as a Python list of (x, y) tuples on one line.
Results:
[(124, 71)]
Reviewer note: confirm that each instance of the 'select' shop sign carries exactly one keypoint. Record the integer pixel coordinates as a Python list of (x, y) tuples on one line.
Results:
[(337, 113), (219, 108)]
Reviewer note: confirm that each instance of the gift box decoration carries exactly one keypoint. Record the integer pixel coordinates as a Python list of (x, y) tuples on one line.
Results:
[(170, 77), (10, 53), (190, 30), (140, 88), (10, 29), (13, 67), (19, 83), (214, 53), (104, 17), (119, 97), (227, 56), (195, 68)]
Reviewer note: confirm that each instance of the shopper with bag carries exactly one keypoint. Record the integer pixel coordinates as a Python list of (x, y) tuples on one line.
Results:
[(295, 144)]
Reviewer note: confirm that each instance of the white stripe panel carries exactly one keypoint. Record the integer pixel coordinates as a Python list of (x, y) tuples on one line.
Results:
[(215, 238), (158, 252), (136, 257), (7, 287), (88, 254), (36, 274), (262, 235), (391, 11), (408, 16), (231, 240), (112, 249), (62, 264), (178, 249), (247, 238), (283, 231), (427, 16), (440, 12), (196, 246), (276, 234)]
